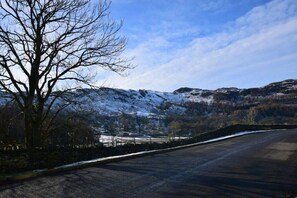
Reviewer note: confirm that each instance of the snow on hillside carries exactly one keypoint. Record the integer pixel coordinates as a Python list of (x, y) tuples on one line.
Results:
[(4, 98), (115, 101), (107, 101), (197, 96), (146, 103)]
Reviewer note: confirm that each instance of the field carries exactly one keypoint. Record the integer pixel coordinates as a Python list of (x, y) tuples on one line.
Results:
[(108, 140)]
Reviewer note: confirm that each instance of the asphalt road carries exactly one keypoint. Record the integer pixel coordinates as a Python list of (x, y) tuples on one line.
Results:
[(258, 165)]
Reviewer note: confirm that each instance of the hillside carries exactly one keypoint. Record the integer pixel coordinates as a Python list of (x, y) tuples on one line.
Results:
[(145, 111), (107, 101), (186, 111)]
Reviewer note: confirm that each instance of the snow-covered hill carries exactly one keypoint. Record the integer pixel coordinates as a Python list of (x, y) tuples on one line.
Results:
[(107, 101), (147, 103)]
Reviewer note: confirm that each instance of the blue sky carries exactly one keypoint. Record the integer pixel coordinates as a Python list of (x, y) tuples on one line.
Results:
[(206, 43)]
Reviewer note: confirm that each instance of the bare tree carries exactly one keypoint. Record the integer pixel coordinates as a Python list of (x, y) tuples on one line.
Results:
[(173, 128), (47, 44)]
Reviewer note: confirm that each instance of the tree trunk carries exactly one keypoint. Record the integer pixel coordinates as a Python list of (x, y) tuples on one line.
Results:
[(32, 129)]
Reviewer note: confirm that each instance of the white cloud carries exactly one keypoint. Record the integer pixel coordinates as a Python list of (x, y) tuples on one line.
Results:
[(262, 42)]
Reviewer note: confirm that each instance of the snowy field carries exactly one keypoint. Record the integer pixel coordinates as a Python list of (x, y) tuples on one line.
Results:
[(108, 140)]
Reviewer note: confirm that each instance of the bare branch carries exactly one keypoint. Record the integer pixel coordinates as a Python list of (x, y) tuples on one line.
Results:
[(55, 43)]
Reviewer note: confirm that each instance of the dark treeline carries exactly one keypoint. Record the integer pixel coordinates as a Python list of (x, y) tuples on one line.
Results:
[(66, 130)]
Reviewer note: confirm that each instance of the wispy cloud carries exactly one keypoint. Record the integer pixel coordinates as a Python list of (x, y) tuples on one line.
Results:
[(258, 47)]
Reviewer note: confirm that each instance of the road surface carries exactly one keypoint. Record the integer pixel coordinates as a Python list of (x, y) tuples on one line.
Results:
[(258, 165)]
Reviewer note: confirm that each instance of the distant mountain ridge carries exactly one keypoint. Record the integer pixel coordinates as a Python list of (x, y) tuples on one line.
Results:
[(195, 110), (108, 101)]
